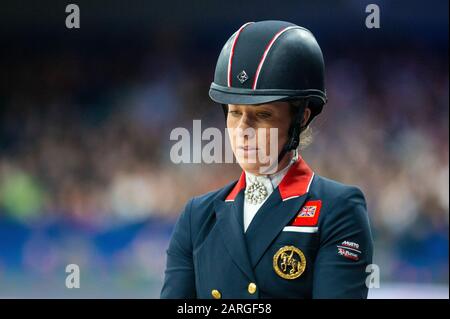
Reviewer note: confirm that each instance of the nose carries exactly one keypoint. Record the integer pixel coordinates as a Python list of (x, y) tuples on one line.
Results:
[(245, 128)]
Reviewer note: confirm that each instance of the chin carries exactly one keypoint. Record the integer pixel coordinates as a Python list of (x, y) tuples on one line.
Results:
[(253, 168), (252, 165), (250, 168)]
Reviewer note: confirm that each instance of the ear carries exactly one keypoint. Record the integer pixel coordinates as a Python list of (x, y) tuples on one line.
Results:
[(306, 116)]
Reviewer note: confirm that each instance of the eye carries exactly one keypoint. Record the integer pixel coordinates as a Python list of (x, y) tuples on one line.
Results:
[(264, 115), (234, 113)]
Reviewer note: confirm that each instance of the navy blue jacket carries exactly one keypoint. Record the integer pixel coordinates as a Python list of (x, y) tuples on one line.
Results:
[(210, 256)]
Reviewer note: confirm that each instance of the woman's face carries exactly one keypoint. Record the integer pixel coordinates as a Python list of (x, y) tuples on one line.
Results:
[(251, 137)]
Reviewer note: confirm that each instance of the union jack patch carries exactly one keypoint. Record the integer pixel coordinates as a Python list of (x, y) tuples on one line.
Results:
[(308, 211), (309, 214)]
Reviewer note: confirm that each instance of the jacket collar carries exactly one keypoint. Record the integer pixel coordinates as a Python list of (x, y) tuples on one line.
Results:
[(295, 183)]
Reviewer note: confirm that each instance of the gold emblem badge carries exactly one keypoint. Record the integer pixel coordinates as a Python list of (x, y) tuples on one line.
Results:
[(289, 262)]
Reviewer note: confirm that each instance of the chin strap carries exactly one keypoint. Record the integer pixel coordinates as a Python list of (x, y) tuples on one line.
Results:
[(294, 132)]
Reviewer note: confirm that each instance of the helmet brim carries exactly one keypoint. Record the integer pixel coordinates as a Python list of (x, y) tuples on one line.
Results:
[(229, 95), (229, 98)]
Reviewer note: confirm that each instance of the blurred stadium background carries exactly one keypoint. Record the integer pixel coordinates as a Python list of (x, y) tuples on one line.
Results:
[(85, 117)]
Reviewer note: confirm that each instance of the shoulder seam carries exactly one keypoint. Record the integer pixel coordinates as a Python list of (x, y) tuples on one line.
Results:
[(341, 197)]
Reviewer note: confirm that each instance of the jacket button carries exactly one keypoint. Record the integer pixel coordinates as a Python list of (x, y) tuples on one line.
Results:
[(216, 294), (252, 288)]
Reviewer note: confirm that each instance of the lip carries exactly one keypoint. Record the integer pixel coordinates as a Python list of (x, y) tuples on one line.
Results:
[(247, 148)]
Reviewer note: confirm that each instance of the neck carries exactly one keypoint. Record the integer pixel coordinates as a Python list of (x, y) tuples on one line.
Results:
[(285, 162)]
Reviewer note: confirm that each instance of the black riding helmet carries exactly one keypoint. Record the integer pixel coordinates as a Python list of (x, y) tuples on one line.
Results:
[(270, 61)]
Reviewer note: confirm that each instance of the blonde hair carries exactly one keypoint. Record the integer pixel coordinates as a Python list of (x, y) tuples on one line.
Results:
[(306, 138)]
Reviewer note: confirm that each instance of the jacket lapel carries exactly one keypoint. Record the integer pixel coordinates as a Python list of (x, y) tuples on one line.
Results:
[(270, 220), (279, 209), (230, 224)]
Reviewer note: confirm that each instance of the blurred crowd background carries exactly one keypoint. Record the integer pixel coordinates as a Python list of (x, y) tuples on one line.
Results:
[(85, 119)]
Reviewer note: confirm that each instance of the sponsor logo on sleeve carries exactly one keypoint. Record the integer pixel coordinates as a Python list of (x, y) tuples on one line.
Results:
[(349, 250)]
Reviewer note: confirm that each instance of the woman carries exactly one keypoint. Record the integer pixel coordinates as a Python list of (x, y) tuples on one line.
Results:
[(280, 231)]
